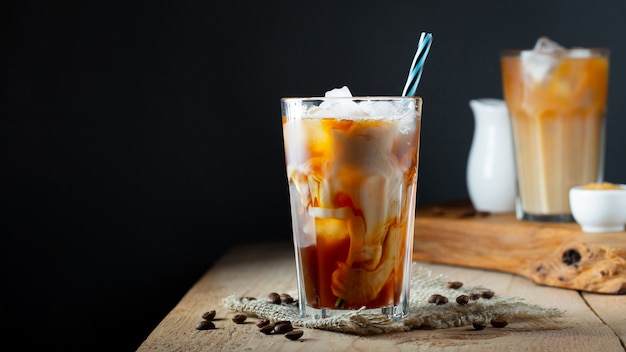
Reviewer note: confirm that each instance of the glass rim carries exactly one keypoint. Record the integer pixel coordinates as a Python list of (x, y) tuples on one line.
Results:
[(359, 98), (568, 52)]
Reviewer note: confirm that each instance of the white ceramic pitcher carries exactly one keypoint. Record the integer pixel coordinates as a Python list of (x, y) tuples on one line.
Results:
[(491, 178)]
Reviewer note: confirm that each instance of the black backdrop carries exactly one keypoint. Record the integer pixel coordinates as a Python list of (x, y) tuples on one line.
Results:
[(143, 138)]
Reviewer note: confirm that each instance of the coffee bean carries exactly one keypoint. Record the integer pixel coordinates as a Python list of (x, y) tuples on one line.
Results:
[(286, 298), (273, 297), (262, 323), (474, 296), (240, 318), (205, 325), (466, 213), (437, 299), (462, 299), (499, 323), (283, 327), (294, 334), (433, 298), (479, 325), (455, 284), (267, 329), (487, 294), (210, 315), (437, 211)]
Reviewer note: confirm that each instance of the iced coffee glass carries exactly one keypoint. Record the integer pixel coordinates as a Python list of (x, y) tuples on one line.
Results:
[(556, 98), (352, 172)]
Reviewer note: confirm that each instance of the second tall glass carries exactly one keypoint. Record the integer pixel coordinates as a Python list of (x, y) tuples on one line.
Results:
[(557, 102)]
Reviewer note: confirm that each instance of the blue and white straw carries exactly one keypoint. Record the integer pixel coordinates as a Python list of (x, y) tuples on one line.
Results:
[(415, 72)]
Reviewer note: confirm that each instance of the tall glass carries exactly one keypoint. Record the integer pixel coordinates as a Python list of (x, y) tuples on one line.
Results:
[(352, 171), (557, 102)]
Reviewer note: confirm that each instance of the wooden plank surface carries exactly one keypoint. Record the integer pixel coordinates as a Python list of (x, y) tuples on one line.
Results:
[(611, 310), (256, 270), (553, 254)]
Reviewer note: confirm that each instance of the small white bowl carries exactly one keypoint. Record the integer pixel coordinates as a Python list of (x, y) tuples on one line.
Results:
[(599, 210)]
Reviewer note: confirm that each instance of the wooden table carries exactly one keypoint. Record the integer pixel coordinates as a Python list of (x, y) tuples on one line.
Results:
[(592, 322)]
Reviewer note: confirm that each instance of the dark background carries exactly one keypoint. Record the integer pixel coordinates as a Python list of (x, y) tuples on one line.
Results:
[(144, 138)]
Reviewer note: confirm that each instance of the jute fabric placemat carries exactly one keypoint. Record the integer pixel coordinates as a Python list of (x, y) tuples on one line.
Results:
[(422, 313)]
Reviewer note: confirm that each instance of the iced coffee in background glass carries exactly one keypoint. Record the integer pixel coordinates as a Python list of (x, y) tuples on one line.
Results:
[(352, 172), (557, 101)]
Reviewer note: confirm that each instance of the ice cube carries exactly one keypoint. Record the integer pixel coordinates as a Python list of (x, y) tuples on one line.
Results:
[(380, 109), (540, 63), (580, 52), (402, 113), (547, 46), (339, 92), (340, 108)]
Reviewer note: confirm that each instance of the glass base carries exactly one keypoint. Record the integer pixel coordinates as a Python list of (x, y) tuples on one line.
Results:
[(547, 217), (520, 214), (392, 312)]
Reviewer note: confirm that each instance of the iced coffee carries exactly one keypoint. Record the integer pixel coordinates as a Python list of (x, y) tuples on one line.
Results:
[(352, 173), (557, 101)]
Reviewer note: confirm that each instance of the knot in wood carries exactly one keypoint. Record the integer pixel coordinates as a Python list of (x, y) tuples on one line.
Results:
[(571, 257)]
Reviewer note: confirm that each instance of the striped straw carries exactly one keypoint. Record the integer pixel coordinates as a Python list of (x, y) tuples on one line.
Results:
[(415, 72)]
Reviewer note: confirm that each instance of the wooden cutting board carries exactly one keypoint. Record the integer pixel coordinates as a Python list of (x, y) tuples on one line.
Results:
[(551, 254)]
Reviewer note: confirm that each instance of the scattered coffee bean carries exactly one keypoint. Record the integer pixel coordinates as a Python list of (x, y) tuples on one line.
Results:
[(283, 327), (438, 299), (433, 298), (466, 213), (474, 296), (262, 323), (273, 297), (286, 298), (462, 299), (248, 298), (205, 325), (479, 325), (437, 211), (499, 323), (210, 315), (267, 329), (240, 318), (294, 334), (487, 294), (455, 284)]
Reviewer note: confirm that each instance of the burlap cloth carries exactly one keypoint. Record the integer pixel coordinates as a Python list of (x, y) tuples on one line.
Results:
[(422, 314)]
